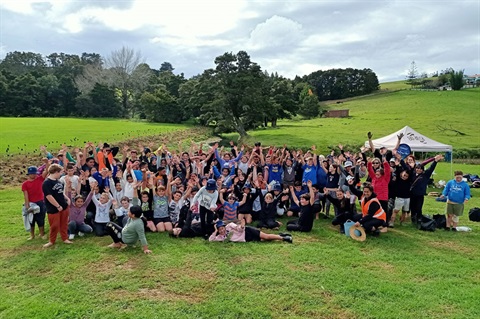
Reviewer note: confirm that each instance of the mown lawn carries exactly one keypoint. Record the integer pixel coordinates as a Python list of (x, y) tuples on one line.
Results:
[(404, 273)]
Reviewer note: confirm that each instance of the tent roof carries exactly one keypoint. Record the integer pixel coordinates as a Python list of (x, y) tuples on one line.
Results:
[(416, 141)]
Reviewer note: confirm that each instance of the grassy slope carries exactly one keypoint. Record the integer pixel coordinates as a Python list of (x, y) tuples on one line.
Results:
[(402, 274), (382, 115), (29, 133)]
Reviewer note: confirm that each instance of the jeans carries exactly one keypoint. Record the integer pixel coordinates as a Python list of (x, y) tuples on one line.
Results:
[(99, 229), (74, 227)]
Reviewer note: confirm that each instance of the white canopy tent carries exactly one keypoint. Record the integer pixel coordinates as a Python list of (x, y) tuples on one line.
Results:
[(416, 141)]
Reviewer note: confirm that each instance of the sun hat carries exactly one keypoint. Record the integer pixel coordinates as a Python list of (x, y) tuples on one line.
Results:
[(354, 233)]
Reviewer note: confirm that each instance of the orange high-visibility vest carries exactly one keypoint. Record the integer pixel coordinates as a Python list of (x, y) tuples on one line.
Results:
[(379, 214), (101, 160)]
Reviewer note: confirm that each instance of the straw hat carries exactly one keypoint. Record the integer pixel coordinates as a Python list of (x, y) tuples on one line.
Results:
[(354, 234)]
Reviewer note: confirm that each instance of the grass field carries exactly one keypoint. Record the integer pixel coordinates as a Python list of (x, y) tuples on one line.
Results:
[(404, 273), (382, 115), (23, 135)]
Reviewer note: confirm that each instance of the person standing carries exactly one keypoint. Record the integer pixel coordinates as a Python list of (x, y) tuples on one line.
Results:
[(57, 204), (418, 189), (457, 193), (32, 193)]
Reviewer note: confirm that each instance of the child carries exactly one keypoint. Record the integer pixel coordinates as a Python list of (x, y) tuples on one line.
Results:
[(207, 198), (457, 193), (102, 214), (305, 222), (78, 208), (230, 207), (242, 233), (133, 231)]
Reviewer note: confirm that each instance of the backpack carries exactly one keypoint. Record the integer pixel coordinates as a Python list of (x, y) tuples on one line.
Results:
[(440, 221), (426, 223), (474, 214)]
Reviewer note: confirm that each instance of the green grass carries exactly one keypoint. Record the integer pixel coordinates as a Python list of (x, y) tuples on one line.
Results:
[(404, 273), (384, 114), (22, 135), (395, 86)]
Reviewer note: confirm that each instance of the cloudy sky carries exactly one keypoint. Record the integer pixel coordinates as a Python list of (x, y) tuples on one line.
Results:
[(288, 37)]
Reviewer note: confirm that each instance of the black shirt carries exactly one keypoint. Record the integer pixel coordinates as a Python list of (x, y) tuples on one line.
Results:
[(54, 188)]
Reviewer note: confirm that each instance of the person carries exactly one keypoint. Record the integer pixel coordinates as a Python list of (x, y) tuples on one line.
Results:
[(305, 222), (57, 204), (102, 214), (133, 231), (418, 188), (402, 197), (373, 216), (32, 193), (206, 198), (78, 208), (344, 209), (457, 193), (241, 233), (380, 178)]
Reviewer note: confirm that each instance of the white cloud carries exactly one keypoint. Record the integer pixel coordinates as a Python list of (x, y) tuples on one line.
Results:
[(275, 32)]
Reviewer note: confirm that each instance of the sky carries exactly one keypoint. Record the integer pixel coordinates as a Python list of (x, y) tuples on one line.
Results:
[(288, 37)]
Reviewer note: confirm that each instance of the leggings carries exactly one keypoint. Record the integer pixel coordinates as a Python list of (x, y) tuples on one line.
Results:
[(206, 218), (114, 231)]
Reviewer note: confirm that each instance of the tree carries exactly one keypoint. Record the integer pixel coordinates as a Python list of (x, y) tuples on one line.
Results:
[(412, 75), (160, 106), (126, 72), (282, 102), (309, 106), (456, 79), (166, 67)]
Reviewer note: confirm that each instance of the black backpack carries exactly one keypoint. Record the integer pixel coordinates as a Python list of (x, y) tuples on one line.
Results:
[(474, 214)]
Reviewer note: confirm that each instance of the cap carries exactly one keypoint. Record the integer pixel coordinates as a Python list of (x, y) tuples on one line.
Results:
[(32, 170), (348, 164), (220, 223), (211, 185), (392, 160)]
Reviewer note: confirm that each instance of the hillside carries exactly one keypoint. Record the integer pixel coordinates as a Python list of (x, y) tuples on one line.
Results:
[(383, 114)]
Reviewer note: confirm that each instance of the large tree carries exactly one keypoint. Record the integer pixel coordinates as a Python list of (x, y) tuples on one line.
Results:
[(456, 79), (128, 73), (238, 102)]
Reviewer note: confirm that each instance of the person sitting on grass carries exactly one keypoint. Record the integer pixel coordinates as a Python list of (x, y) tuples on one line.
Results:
[(133, 231), (373, 216), (241, 233), (305, 222), (457, 193), (343, 208)]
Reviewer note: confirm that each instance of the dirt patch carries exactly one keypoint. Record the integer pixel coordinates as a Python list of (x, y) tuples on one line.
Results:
[(453, 246), (13, 167)]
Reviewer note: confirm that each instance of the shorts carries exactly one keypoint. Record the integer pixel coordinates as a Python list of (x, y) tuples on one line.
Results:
[(162, 220), (455, 209), (252, 234), (39, 218), (402, 204)]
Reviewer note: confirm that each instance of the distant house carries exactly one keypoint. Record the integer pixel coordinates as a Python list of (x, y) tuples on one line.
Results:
[(472, 79)]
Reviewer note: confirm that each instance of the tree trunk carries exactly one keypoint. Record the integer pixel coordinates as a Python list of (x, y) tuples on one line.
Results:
[(274, 122)]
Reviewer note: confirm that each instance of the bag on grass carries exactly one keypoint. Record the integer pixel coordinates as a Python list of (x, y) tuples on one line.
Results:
[(427, 224), (440, 220), (474, 214)]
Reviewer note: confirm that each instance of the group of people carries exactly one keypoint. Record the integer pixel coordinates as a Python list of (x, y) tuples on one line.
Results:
[(220, 194)]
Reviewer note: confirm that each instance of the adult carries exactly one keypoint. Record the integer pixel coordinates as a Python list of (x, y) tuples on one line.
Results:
[(418, 189), (57, 204), (373, 216), (457, 193), (32, 193)]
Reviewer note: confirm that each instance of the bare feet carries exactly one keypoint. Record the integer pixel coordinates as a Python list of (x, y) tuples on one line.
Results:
[(31, 237), (47, 245), (43, 236), (115, 245), (68, 241)]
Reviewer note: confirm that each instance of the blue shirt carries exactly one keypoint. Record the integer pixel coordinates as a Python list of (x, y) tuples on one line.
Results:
[(456, 192)]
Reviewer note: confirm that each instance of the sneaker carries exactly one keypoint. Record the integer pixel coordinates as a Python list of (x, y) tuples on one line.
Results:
[(284, 234), (288, 239), (454, 229), (391, 225), (81, 234), (71, 236), (447, 228)]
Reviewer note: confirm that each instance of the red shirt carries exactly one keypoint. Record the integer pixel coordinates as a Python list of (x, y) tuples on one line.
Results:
[(34, 188)]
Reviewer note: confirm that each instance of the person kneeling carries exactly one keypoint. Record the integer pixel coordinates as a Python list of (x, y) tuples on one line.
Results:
[(133, 231), (241, 233), (305, 222)]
